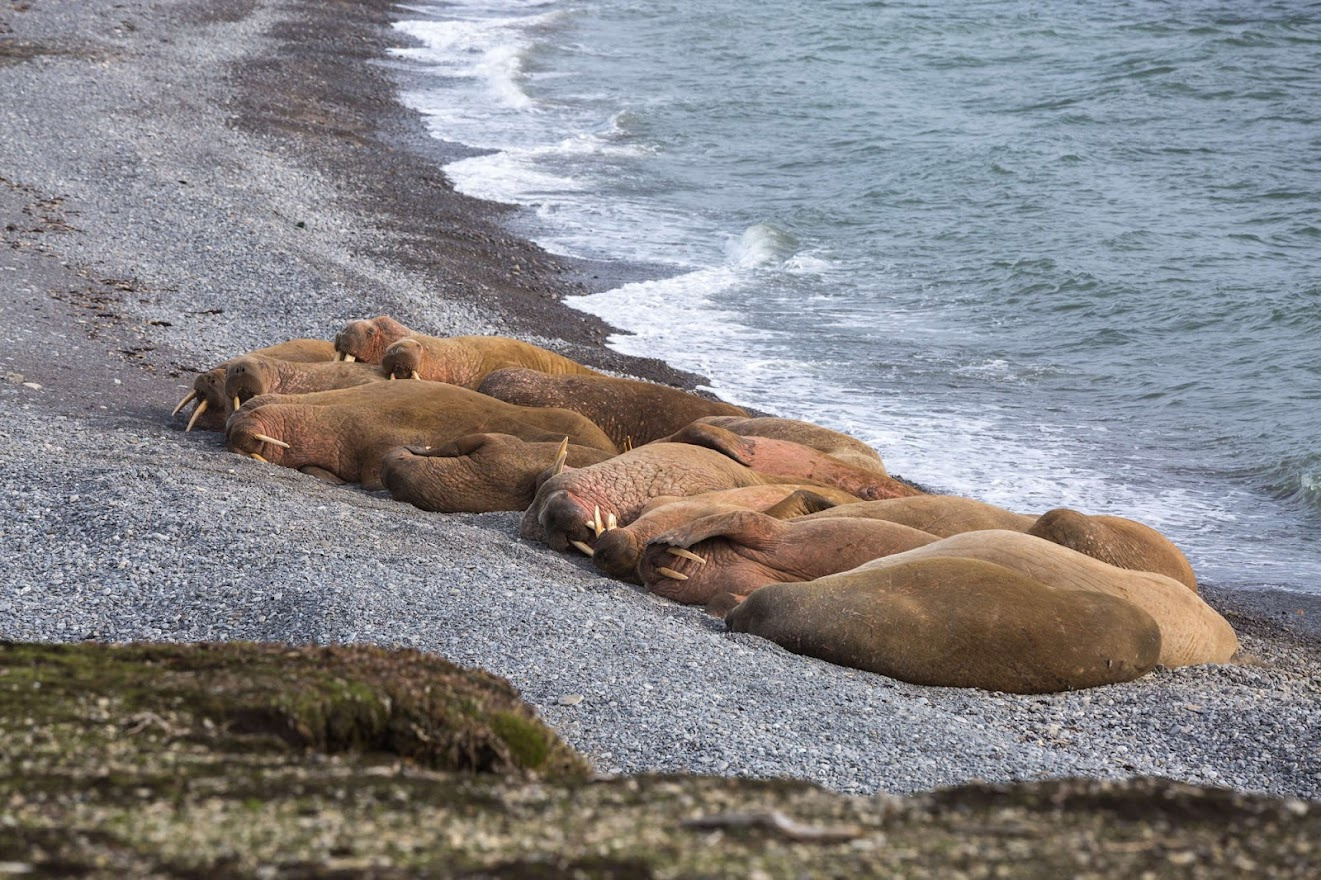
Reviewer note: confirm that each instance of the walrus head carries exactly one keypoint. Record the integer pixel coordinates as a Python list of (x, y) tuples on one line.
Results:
[(213, 406), (402, 359), (367, 340), (244, 434), (246, 378)]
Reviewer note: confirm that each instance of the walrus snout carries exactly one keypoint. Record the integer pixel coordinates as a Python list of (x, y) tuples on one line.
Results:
[(616, 553)]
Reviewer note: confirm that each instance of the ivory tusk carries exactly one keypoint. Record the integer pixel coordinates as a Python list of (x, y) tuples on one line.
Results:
[(596, 521), (192, 395), (201, 408), (350, 358), (392, 377), (671, 573), (237, 403), (686, 554), (584, 547), (611, 522), (258, 457), (560, 458), (266, 439), (415, 376), (628, 443)]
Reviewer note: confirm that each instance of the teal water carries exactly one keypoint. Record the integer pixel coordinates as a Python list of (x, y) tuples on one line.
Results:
[(1042, 257)]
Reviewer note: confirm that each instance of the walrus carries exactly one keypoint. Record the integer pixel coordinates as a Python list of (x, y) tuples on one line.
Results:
[(740, 551), (1116, 540), (941, 515), (771, 455), (458, 360), (1192, 632), (477, 473), (631, 411), (253, 375), (574, 507), (836, 444), (214, 406), (342, 435), (957, 622), (616, 551)]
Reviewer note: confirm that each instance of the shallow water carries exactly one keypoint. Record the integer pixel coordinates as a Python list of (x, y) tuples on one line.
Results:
[(1061, 257)]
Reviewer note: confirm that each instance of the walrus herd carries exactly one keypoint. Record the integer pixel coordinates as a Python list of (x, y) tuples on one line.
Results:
[(789, 530)]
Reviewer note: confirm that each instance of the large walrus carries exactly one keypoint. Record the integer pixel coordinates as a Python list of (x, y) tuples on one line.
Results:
[(214, 406), (458, 360), (343, 434), (740, 551), (1116, 540), (477, 473), (957, 622), (1192, 632), (631, 411), (616, 552), (941, 515), (574, 507), (771, 455), (843, 447), (253, 375)]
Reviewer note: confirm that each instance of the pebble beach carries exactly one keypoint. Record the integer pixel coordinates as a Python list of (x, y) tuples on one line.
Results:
[(185, 180)]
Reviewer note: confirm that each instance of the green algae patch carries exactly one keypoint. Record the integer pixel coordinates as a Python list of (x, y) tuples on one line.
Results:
[(266, 761)]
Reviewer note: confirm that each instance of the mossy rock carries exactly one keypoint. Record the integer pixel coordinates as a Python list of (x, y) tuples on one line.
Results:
[(265, 761)]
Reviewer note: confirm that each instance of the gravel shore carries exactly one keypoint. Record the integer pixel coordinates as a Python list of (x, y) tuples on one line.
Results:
[(184, 180)]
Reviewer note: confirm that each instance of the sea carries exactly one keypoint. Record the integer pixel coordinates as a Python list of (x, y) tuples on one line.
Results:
[(1040, 254)]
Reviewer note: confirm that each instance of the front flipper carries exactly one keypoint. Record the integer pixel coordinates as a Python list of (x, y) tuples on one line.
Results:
[(712, 437), (322, 474)]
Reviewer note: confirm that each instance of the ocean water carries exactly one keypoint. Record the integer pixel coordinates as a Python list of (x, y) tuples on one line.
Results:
[(1043, 255)]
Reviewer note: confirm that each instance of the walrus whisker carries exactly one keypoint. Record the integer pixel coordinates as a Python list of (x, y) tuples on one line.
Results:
[(671, 573), (686, 554), (267, 439), (197, 413), (561, 457), (586, 548), (192, 395), (258, 457)]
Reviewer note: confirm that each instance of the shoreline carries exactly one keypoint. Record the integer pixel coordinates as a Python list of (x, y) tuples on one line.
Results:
[(181, 181)]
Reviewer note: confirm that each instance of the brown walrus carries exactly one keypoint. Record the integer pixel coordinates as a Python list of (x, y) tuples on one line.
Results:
[(740, 551), (1116, 540), (253, 375), (957, 622), (476, 473), (1192, 632), (771, 455), (837, 445), (574, 507), (631, 411), (458, 360), (616, 552), (343, 434), (214, 406), (941, 515)]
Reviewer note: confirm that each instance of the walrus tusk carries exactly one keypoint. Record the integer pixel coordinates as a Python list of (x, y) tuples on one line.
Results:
[(415, 376), (686, 554), (392, 377), (560, 458), (349, 358), (611, 522), (265, 439), (586, 548), (258, 457), (237, 403), (628, 443), (671, 573), (201, 408), (192, 395)]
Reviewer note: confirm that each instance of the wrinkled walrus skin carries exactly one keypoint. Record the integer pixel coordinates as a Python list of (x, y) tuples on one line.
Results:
[(476, 473), (214, 406), (743, 550), (1116, 540), (954, 622), (631, 411), (254, 375), (787, 458), (345, 433), (616, 552), (574, 507), (941, 515), (837, 445), (1192, 632), (458, 360)]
